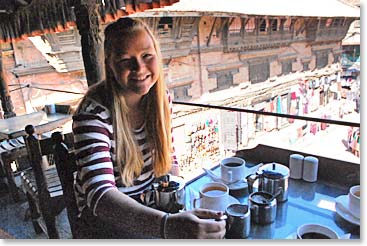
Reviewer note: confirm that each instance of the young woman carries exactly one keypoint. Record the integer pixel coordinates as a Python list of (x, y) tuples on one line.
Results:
[(122, 133)]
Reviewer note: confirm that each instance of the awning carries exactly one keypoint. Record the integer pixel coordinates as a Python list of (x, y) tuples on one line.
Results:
[(305, 8), (354, 39), (22, 19)]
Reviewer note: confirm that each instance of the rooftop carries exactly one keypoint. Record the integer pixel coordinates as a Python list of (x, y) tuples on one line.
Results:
[(309, 8)]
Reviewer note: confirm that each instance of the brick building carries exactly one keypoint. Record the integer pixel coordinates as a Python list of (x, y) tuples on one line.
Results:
[(206, 48)]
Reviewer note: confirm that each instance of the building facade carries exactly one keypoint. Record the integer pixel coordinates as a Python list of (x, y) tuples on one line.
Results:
[(276, 62)]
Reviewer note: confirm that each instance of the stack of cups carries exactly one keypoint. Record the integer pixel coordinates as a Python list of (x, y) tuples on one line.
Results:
[(310, 168), (296, 166)]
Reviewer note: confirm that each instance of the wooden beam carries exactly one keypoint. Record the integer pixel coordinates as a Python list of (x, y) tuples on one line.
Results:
[(88, 24), (211, 32), (6, 102), (223, 22)]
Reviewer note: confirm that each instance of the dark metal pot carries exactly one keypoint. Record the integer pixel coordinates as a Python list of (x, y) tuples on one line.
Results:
[(170, 199), (273, 178), (263, 206)]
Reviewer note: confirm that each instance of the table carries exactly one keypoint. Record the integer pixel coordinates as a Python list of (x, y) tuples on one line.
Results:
[(13, 128), (307, 203)]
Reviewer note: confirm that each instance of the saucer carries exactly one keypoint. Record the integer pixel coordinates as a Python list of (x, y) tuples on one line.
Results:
[(292, 236), (342, 210), (238, 185), (232, 200), (344, 200)]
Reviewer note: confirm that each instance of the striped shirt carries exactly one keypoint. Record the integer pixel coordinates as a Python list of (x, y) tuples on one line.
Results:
[(95, 156)]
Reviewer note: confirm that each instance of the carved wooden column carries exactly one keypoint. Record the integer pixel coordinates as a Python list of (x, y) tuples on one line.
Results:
[(88, 23), (6, 102)]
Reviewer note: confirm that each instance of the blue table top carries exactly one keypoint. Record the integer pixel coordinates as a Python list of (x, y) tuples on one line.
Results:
[(307, 203)]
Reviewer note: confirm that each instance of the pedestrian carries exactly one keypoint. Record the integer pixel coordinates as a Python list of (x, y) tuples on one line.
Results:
[(122, 134)]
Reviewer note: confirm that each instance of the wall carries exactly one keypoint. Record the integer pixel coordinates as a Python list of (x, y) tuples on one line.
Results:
[(24, 66)]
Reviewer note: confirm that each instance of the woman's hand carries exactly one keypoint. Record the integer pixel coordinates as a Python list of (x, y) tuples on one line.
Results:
[(197, 223)]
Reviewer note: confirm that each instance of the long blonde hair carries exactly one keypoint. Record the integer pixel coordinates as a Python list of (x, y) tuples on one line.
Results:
[(157, 111)]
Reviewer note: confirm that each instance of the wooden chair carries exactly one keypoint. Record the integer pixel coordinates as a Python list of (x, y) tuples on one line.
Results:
[(66, 168), (42, 184)]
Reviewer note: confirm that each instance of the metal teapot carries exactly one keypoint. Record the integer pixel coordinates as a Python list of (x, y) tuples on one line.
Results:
[(273, 178), (167, 194)]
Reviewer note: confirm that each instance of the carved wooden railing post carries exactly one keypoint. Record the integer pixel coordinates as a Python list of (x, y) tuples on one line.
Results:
[(6, 102), (88, 23)]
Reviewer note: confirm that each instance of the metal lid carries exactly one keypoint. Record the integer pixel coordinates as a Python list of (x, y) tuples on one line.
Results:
[(274, 170), (262, 198)]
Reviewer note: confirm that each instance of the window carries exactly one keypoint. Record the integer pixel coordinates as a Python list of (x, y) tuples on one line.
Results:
[(165, 26), (262, 25), (181, 92), (259, 72), (329, 21), (286, 23), (235, 27), (286, 67), (306, 66), (337, 22), (224, 80), (250, 25), (336, 58), (321, 59), (274, 25), (322, 23)]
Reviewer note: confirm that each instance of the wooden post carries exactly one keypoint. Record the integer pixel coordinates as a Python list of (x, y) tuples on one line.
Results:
[(6, 102), (88, 24)]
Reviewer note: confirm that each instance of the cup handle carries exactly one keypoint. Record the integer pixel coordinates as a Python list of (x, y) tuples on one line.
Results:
[(279, 192), (148, 198), (250, 181), (230, 176), (194, 203)]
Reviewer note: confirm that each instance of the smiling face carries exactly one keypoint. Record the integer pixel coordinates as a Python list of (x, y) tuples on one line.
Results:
[(134, 63)]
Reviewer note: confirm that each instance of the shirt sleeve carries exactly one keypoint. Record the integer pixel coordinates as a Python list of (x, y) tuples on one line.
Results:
[(92, 128)]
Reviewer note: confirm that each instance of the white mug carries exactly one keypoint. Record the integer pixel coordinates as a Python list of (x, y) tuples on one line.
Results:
[(316, 231), (232, 169), (214, 196), (354, 200)]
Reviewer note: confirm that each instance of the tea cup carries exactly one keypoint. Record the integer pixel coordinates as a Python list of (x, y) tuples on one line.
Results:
[(354, 200), (232, 169), (316, 231), (213, 195)]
